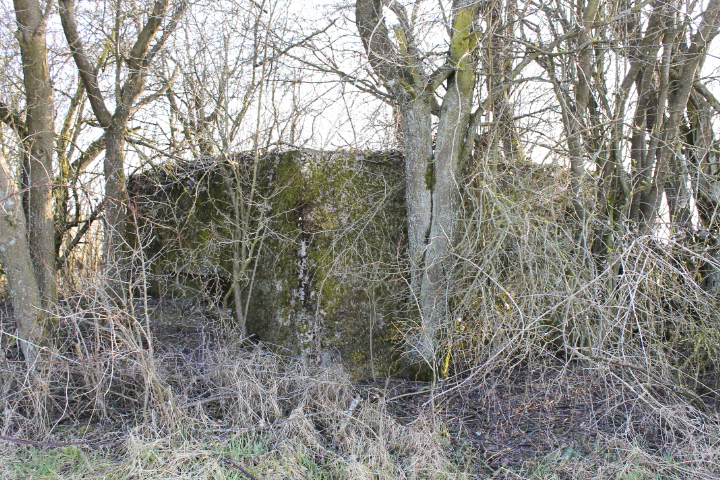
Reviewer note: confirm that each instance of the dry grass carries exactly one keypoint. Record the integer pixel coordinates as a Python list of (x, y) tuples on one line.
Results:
[(554, 366), (152, 410), (208, 410), (637, 333)]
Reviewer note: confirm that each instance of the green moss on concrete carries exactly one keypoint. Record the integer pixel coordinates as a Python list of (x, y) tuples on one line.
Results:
[(325, 285), (339, 219)]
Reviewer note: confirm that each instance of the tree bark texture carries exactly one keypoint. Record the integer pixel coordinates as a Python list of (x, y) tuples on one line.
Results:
[(38, 143), (431, 175), (417, 134), (115, 225), (452, 132), (15, 253)]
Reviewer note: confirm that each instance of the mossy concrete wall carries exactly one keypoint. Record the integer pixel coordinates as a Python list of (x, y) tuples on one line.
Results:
[(324, 282), (184, 214)]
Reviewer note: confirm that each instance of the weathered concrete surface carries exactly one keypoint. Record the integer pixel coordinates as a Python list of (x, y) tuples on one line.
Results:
[(331, 231)]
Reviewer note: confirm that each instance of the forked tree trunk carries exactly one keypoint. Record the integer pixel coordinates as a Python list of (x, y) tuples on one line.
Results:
[(431, 174), (452, 132), (138, 62)]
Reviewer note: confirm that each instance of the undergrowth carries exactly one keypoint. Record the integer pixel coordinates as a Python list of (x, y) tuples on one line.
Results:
[(222, 409), (228, 409), (554, 366)]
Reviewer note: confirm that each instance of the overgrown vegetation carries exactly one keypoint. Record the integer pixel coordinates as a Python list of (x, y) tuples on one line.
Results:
[(207, 410), (540, 376), (523, 284)]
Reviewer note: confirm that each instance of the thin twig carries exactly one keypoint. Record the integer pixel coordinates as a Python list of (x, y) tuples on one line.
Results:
[(233, 464)]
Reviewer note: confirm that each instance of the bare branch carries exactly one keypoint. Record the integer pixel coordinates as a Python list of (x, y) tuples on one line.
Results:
[(80, 233), (294, 45), (90, 154), (13, 120), (707, 94), (87, 72)]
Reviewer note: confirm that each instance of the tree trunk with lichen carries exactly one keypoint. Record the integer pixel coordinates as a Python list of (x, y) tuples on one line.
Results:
[(115, 225), (432, 183), (419, 181), (452, 132), (39, 144), (15, 253), (27, 243)]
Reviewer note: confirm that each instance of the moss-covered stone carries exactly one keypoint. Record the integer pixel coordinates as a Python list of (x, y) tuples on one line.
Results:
[(326, 285)]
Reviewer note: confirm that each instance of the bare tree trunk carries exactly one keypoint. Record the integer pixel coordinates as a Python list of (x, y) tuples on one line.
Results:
[(116, 251), (15, 253), (452, 131), (39, 143), (233, 182), (431, 175), (643, 58), (419, 173), (677, 102)]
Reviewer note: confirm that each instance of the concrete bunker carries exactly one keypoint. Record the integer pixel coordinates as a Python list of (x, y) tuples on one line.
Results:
[(311, 241)]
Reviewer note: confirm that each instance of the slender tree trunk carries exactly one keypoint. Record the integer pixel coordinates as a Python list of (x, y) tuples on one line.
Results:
[(431, 174), (138, 62), (417, 133), (452, 132), (665, 144), (15, 253), (39, 144), (503, 143), (233, 183), (116, 251)]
